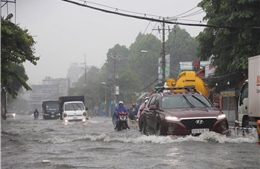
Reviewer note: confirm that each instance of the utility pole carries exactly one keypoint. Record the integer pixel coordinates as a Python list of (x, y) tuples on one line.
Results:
[(114, 78), (85, 84), (163, 51)]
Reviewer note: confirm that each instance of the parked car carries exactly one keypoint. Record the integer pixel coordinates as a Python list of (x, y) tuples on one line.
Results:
[(181, 111), (10, 114)]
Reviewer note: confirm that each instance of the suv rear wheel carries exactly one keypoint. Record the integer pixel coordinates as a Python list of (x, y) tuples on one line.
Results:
[(143, 128)]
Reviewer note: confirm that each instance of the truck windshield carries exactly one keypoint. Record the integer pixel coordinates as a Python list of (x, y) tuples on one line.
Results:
[(74, 106), (52, 107)]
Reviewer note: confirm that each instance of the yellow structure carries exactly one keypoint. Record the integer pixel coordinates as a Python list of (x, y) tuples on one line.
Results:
[(189, 78)]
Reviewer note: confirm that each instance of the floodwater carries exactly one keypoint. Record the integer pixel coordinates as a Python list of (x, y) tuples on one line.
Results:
[(33, 144)]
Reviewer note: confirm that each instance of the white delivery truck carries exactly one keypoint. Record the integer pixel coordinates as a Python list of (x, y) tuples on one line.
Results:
[(249, 95), (72, 108)]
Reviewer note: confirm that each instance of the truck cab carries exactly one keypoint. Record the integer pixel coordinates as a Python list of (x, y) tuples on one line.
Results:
[(50, 109), (74, 111), (243, 105), (73, 108)]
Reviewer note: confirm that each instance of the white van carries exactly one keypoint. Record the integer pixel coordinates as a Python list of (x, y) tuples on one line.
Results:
[(74, 111)]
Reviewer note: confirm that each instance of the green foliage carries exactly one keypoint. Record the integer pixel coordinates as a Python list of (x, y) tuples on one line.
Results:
[(129, 83), (231, 46), (181, 47), (134, 70), (17, 46), (145, 65), (91, 89)]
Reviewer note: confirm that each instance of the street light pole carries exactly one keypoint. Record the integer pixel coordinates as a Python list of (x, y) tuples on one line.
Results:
[(104, 83), (105, 86), (114, 78), (228, 83)]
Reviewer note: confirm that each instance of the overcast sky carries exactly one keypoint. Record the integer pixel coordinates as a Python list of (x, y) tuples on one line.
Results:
[(65, 32)]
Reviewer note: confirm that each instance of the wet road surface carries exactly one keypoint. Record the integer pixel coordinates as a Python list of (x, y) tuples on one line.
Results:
[(31, 144)]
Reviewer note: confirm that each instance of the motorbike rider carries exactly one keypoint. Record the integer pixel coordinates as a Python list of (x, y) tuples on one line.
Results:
[(36, 113), (133, 111), (120, 108)]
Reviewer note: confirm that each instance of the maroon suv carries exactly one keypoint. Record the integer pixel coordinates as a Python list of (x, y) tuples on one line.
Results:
[(181, 111)]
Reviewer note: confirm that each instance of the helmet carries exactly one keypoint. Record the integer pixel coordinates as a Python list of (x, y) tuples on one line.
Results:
[(121, 102), (146, 99)]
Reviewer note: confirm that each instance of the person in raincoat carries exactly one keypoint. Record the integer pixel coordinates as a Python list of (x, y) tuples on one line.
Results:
[(120, 108), (133, 111)]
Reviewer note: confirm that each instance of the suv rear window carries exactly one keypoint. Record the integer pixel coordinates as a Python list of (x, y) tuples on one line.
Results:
[(185, 101)]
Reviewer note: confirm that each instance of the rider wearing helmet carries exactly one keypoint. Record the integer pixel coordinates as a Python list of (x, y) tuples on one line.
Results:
[(121, 108)]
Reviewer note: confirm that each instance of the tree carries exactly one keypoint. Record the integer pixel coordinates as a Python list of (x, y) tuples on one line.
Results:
[(145, 64), (91, 90), (16, 48), (231, 46), (181, 47)]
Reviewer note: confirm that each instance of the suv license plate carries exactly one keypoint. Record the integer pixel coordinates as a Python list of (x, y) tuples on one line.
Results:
[(195, 131)]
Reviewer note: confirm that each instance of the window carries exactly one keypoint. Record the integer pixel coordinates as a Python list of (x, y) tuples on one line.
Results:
[(74, 106), (182, 101)]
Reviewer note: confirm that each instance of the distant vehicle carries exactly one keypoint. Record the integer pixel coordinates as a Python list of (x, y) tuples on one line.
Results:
[(11, 114), (50, 109), (72, 108), (181, 111)]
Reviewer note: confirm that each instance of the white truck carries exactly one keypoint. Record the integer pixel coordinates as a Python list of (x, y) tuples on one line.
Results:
[(249, 95), (72, 108)]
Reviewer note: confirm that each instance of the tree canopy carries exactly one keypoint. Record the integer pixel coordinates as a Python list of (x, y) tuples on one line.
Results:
[(181, 47), (135, 69), (231, 46), (16, 48)]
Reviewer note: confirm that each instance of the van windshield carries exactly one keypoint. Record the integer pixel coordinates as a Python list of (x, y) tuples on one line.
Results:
[(74, 106)]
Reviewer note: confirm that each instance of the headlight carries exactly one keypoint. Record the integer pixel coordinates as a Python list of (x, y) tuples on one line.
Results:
[(171, 118), (14, 114), (222, 116)]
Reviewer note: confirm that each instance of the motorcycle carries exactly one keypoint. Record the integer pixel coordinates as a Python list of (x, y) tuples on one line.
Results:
[(120, 121), (36, 116)]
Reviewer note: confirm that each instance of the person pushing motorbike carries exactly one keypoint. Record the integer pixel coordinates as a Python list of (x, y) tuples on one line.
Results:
[(120, 108)]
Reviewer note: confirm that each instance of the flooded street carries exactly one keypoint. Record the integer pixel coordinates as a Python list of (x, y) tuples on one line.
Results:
[(28, 143)]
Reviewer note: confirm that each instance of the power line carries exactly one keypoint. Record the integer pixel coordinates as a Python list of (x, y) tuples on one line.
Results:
[(185, 12), (117, 9), (164, 20)]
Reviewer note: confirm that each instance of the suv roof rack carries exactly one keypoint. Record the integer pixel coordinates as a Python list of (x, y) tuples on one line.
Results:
[(186, 88)]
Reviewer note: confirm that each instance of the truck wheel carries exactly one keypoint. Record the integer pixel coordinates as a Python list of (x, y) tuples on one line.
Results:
[(246, 125)]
